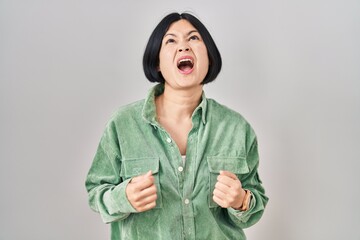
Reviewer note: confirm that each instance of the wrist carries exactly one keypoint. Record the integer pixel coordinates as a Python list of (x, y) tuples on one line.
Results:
[(245, 204)]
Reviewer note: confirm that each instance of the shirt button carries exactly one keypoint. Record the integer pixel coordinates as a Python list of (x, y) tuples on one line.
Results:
[(180, 169), (186, 201), (168, 140)]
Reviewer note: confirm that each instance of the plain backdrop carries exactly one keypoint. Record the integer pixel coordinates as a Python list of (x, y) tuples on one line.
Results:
[(291, 68)]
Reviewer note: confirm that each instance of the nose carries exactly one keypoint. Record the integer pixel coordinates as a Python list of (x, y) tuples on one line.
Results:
[(185, 49)]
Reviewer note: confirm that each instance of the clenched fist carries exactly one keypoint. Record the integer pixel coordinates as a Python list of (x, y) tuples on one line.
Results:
[(228, 190), (141, 192)]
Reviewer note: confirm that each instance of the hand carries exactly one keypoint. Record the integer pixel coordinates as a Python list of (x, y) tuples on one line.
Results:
[(228, 190), (141, 192)]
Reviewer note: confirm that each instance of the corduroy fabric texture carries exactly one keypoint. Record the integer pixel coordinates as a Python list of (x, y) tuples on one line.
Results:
[(134, 143)]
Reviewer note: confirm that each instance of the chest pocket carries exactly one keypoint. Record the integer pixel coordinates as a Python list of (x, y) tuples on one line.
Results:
[(236, 165), (139, 166)]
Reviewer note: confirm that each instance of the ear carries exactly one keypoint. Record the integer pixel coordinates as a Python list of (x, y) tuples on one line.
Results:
[(158, 68)]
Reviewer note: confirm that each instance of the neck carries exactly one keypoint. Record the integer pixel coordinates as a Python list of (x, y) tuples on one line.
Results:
[(178, 105)]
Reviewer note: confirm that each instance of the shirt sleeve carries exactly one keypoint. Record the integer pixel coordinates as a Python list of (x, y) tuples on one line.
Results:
[(252, 182), (106, 190)]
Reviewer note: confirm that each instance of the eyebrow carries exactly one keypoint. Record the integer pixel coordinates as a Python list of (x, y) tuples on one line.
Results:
[(189, 33)]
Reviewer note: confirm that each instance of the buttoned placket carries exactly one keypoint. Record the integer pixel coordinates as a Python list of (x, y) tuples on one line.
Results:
[(185, 173), (189, 178)]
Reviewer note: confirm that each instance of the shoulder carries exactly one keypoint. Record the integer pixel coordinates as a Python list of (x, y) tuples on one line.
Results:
[(231, 124), (218, 110), (220, 113), (129, 111)]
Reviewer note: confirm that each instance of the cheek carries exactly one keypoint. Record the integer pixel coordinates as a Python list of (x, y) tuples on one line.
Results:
[(204, 62), (202, 53), (164, 58), (204, 57), (165, 65)]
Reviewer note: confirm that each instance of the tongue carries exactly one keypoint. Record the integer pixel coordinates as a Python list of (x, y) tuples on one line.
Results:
[(185, 68)]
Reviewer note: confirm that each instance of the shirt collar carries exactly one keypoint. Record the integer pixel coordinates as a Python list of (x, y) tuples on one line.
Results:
[(149, 109)]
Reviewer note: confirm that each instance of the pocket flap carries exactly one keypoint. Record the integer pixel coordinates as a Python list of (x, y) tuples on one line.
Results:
[(139, 166), (237, 165)]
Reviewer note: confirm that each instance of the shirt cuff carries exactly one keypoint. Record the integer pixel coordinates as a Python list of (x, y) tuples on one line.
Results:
[(116, 200), (243, 216)]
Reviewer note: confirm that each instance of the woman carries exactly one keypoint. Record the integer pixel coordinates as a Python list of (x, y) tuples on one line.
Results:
[(177, 165)]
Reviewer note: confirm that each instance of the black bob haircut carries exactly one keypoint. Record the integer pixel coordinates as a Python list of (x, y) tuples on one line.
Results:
[(152, 50)]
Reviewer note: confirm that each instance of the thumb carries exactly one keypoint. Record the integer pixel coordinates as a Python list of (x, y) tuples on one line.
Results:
[(228, 174), (141, 177), (148, 174)]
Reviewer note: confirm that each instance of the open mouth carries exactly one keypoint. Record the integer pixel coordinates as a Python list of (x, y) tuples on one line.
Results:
[(185, 65)]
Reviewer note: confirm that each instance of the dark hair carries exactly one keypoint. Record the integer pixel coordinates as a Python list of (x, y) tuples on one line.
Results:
[(152, 50)]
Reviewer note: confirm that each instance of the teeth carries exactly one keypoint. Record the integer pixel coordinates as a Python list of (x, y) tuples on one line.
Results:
[(185, 60)]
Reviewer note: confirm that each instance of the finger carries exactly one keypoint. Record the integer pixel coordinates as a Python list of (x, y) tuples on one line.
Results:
[(145, 200), (137, 195), (219, 201), (219, 194), (143, 181), (148, 174), (136, 179), (145, 203), (228, 174), (147, 192), (149, 199), (146, 207), (222, 187), (230, 182), (227, 194), (141, 177), (144, 184)]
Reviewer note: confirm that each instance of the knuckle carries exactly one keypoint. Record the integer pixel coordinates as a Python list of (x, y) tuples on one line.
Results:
[(234, 194), (137, 198), (215, 192)]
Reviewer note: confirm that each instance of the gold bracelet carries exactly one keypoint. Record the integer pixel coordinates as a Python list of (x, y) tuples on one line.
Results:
[(246, 203)]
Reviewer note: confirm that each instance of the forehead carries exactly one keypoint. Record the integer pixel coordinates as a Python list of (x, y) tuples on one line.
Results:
[(181, 27)]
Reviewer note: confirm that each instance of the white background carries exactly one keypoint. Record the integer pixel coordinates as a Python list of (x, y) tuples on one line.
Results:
[(291, 68)]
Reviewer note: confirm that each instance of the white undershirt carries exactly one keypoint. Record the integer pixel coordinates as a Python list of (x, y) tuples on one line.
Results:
[(183, 159)]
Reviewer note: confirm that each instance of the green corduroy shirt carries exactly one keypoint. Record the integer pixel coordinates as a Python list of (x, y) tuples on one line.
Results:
[(134, 143)]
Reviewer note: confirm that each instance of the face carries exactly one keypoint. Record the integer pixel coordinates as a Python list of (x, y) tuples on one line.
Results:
[(183, 56)]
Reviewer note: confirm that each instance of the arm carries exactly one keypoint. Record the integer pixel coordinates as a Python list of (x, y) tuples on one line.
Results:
[(106, 190), (252, 182)]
